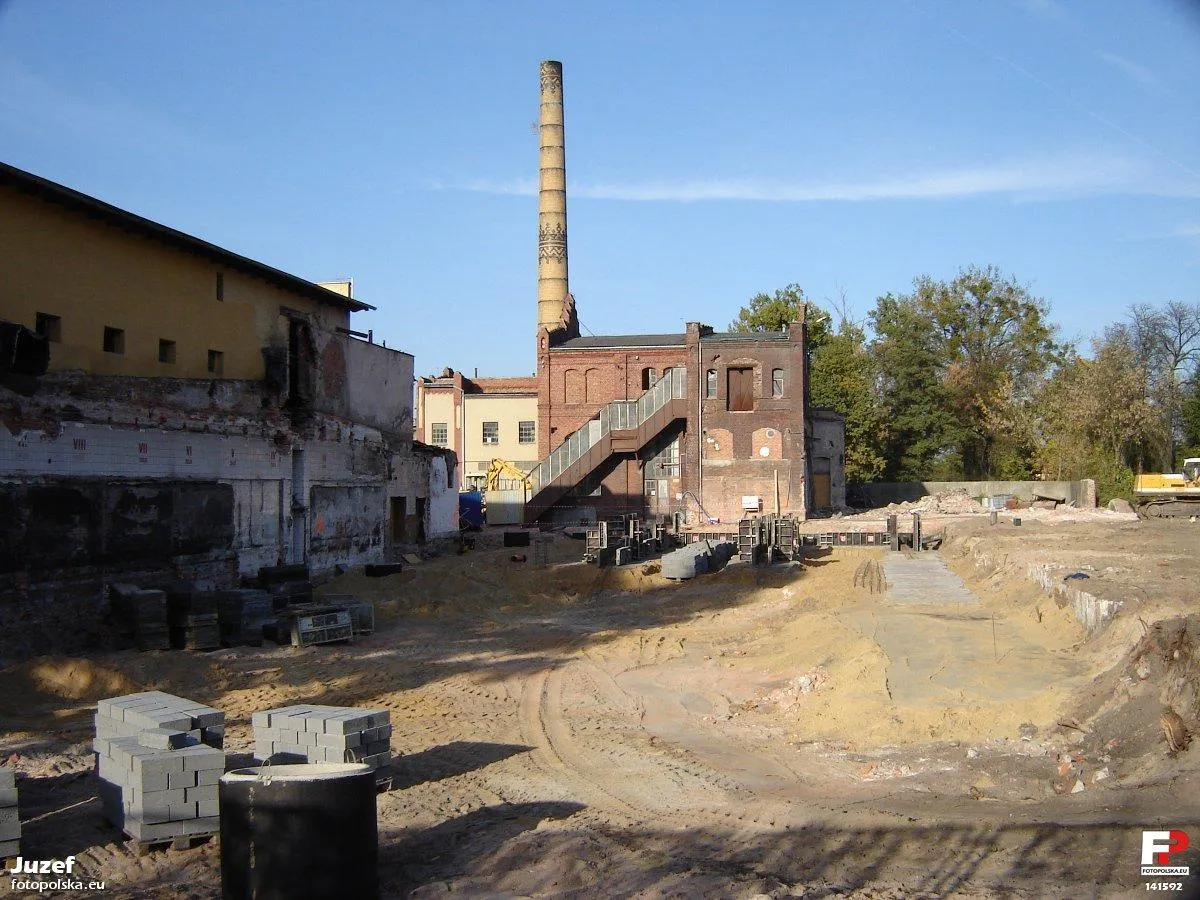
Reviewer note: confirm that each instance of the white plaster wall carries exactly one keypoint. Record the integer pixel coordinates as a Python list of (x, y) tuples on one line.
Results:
[(443, 500), (261, 475)]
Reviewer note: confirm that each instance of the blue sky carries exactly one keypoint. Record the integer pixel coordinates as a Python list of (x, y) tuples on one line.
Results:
[(714, 150)]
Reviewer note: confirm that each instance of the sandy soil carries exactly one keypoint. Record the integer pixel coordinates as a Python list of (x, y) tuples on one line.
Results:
[(568, 731)]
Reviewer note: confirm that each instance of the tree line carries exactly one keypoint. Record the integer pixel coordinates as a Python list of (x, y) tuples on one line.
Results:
[(967, 379)]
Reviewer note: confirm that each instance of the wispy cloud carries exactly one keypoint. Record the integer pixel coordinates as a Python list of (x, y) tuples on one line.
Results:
[(1043, 9), (1132, 69), (36, 105), (1066, 176)]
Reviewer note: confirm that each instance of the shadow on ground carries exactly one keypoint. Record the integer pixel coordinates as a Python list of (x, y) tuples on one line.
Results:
[(476, 856), (449, 760)]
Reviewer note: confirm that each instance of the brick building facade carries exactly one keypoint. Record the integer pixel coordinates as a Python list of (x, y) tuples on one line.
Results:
[(738, 437)]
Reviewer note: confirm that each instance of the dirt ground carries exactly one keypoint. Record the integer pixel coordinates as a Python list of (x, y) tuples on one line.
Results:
[(774, 731)]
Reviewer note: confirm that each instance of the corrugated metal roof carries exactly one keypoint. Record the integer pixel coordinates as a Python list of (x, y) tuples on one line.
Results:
[(106, 212), (596, 342)]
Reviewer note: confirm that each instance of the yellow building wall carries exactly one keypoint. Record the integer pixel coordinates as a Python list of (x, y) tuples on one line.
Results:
[(508, 411), (439, 407), (92, 275)]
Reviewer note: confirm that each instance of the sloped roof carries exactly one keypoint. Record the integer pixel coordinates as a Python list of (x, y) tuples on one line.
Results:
[(595, 342), (75, 201)]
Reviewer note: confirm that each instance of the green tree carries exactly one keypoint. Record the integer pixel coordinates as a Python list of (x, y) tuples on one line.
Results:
[(842, 377), (775, 313), (906, 356), (1190, 415), (1097, 415), (972, 353)]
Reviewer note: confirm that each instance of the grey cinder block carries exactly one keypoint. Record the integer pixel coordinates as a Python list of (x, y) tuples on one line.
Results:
[(167, 738), (201, 794)]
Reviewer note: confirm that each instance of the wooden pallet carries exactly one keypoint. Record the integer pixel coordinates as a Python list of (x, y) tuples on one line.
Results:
[(182, 842)]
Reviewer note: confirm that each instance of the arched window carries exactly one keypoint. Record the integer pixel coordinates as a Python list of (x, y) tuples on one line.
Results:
[(710, 383), (573, 386), (648, 378), (591, 386), (777, 382)]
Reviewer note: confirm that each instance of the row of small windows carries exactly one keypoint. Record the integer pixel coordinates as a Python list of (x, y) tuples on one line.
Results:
[(439, 433), (50, 327)]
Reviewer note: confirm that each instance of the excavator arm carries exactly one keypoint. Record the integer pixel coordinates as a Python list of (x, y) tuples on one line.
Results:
[(502, 468)]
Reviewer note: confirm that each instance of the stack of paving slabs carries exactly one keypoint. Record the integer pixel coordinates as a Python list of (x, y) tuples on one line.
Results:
[(159, 761), (286, 584), (242, 615), (141, 616), (192, 615), (308, 733), (10, 821)]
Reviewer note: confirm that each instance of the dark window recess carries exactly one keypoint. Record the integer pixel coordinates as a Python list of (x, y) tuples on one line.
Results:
[(777, 382), (166, 351), (710, 384), (114, 340), (48, 326), (216, 362), (648, 378), (398, 515), (220, 285), (301, 367), (741, 389)]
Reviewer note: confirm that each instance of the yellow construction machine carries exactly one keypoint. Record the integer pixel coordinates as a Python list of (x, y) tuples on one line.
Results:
[(502, 468), (1170, 495)]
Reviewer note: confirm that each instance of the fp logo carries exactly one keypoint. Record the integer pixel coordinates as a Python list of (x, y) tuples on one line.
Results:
[(1157, 849)]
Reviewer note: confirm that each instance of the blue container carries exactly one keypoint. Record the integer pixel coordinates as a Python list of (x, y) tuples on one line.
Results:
[(470, 510)]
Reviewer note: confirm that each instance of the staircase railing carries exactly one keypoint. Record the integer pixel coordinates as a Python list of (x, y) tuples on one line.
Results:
[(620, 415)]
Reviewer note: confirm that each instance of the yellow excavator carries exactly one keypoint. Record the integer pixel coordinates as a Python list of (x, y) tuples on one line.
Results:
[(1170, 495), (502, 468)]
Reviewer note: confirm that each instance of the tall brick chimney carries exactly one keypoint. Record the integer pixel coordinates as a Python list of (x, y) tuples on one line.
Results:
[(556, 306)]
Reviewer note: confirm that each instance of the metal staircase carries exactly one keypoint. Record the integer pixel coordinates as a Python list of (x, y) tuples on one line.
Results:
[(623, 426)]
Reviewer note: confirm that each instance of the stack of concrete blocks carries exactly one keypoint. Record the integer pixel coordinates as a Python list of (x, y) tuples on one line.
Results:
[(193, 617), (159, 761), (10, 820), (308, 733), (242, 614), (141, 615)]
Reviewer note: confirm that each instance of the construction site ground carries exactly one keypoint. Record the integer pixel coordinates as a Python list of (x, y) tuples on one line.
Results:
[(857, 724)]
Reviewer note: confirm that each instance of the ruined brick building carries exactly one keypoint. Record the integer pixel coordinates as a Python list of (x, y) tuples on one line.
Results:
[(698, 423), (173, 409)]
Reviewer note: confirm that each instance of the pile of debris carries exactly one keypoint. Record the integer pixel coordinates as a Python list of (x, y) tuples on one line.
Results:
[(947, 503)]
